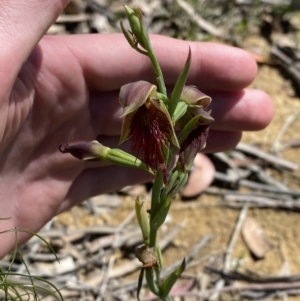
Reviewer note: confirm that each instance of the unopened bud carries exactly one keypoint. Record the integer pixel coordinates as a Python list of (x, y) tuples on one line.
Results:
[(95, 151), (92, 150), (134, 17)]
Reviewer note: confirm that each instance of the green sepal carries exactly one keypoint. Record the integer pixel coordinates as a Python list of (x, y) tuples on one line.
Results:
[(140, 283), (163, 97), (128, 35), (162, 213), (167, 285), (122, 158), (143, 220), (176, 93), (134, 17), (145, 41)]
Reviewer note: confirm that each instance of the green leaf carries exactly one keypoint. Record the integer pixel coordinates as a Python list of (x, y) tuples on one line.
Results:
[(162, 213), (175, 96), (182, 181), (188, 128), (32, 234), (171, 183), (143, 220), (167, 285)]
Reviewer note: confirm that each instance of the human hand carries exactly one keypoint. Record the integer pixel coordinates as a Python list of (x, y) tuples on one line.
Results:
[(55, 88)]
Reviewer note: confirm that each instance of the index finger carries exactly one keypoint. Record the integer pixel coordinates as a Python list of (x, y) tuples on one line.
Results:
[(108, 62)]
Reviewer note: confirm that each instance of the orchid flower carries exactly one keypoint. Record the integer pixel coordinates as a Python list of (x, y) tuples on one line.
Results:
[(147, 122), (195, 124)]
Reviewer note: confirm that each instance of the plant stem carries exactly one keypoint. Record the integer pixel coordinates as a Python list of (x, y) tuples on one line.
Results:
[(152, 241), (155, 204), (151, 283), (157, 70)]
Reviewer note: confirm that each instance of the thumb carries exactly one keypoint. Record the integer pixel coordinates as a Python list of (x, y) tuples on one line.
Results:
[(22, 25)]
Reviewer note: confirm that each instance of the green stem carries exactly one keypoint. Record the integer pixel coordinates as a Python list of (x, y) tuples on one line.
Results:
[(157, 273), (156, 192), (159, 75), (155, 204), (151, 282), (159, 255), (153, 235)]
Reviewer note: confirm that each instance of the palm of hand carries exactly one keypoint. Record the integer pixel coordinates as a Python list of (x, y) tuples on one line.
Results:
[(48, 104)]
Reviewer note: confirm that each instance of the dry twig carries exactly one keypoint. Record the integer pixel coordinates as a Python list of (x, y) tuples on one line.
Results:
[(199, 20)]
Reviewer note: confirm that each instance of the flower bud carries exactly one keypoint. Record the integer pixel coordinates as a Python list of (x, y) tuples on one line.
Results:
[(134, 17), (194, 125), (86, 151), (128, 35), (95, 151), (192, 96)]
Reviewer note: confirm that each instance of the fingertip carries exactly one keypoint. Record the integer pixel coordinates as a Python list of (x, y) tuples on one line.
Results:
[(248, 67), (254, 112), (220, 141), (266, 110), (244, 110)]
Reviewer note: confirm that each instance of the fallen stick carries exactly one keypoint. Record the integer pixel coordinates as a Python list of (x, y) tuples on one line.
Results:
[(274, 160)]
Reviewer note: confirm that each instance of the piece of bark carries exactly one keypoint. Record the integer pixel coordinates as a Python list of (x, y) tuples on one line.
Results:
[(255, 238), (200, 177)]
